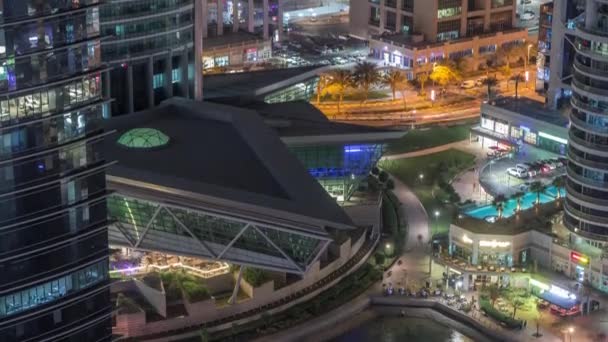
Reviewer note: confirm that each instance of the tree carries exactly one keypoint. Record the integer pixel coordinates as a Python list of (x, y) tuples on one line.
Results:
[(517, 79), (494, 293), (393, 79), (518, 198), (383, 176), (490, 82), (421, 79), (507, 73), (444, 75), (324, 81), (516, 303), (499, 203), (204, 334), (538, 188), (380, 258), (559, 183), (366, 75), (340, 80)]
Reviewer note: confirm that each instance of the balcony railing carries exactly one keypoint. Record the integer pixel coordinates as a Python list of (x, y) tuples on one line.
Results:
[(585, 180), (587, 162), (581, 215), (586, 107), (585, 198), (594, 90)]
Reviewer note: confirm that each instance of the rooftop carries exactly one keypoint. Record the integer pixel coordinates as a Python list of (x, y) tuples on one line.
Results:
[(302, 119), (532, 109), (230, 38), (221, 152), (246, 84)]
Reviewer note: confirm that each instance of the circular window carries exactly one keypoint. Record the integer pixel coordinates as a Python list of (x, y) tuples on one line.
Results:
[(144, 138)]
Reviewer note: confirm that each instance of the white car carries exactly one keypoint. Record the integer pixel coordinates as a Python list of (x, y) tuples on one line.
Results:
[(517, 172), (468, 84), (528, 15)]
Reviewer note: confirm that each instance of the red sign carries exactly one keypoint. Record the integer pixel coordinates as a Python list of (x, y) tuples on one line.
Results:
[(579, 258)]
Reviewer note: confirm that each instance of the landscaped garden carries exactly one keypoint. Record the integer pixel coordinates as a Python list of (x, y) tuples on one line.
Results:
[(421, 139), (509, 306), (429, 176)]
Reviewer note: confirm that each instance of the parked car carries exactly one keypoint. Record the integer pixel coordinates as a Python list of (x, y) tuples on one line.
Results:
[(517, 172), (558, 162), (468, 84), (550, 163), (528, 167)]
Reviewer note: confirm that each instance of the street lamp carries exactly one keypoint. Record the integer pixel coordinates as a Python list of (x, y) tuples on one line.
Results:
[(570, 332), (526, 64), (436, 213)]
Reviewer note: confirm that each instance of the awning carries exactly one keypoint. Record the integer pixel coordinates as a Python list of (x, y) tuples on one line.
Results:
[(483, 132), (564, 303)]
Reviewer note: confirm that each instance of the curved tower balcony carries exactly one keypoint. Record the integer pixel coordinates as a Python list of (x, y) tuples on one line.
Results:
[(53, 231), (586, 208)]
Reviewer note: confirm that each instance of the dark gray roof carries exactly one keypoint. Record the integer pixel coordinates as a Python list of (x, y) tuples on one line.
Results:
[(230, 37), (245, 84), (532, 109), (220, 151), (301, 118)]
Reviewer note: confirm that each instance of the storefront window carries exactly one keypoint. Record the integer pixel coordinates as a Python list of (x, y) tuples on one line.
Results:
[(530, 138), (516, 132), (222, 61), (487, 123), (502, 128)]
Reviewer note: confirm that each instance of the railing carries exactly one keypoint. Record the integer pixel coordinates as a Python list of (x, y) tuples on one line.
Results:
[(592, 72), (584, 106), (592, 30), (584, 142), (594, 90), (587, 162), (585, 180), (585, 198), (581, 215)]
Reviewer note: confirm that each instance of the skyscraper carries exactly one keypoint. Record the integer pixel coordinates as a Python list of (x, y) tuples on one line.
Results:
[(149, 46), (586, 207), (53, 234)]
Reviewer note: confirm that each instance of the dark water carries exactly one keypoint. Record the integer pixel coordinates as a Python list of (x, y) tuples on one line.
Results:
[(394, 329)]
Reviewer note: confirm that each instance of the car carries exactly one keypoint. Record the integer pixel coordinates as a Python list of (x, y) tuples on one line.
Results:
[(517, 172), (551, 163), (558, 163), (468, 84), (532, 171), (528, 15)]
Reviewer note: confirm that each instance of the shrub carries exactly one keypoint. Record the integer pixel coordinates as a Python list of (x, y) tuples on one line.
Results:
[(375, 171), (486, 306), (256, 277), (379, 257), (195, 292)]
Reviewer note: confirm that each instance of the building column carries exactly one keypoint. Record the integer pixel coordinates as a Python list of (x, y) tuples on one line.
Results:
[(130, 103), (382, 16), (150, 87), (475, 254), (220, 17), (399, 17), (107, 84), (250, 16), (204, 15), (280, 20), (235, 16), (169, 75), (200, 22), (265, 23), (590, 14), (198, 75), (463, 18), (486, 15), (237, 286)]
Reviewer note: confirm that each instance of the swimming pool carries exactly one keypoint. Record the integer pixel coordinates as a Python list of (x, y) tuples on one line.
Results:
[(527, 201)]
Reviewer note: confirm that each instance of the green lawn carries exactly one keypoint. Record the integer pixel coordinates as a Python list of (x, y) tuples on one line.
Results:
[(434, 167), (425, 138)]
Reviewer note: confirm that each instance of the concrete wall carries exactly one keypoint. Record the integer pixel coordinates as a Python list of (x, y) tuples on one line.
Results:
[(219, 284), (155, 297)]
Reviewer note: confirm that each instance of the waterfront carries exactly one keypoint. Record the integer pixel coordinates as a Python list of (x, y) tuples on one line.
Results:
[(385, 328)]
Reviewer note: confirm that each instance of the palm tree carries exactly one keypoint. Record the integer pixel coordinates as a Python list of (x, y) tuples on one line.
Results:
[(444, 74), (499, 203), (394, 79), (517, 78), (518, 198), (490, 82), (340, 80), (559, 183), (494, 293), (507, 73), (366, 75), (538, 188)]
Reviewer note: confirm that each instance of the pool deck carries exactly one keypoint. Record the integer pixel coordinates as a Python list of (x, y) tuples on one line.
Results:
[(532, 219)]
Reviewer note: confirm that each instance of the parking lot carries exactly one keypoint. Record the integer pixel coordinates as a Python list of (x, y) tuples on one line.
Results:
[(495, 179)]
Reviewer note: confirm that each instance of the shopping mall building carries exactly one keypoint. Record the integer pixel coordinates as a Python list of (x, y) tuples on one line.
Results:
[(237, 186)]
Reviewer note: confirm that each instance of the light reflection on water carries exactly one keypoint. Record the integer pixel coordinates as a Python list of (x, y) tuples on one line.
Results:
[(397, 329)]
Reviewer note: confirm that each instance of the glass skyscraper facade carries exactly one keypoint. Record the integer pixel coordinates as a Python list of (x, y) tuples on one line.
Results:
[(53, 220), (149, 46)]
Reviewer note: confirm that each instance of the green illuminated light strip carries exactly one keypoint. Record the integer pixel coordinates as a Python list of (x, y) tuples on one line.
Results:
[(552, 137)]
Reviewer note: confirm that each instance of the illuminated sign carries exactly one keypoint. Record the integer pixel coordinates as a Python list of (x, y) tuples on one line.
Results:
[(552, 137), (466, 239), (494, 243), (579, 258)]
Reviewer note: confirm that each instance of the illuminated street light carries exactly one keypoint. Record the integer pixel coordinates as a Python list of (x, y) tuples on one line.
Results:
[(436, 213), (571, 330)]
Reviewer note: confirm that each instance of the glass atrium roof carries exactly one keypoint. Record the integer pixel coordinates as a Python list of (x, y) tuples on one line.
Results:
[(143, 138)]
